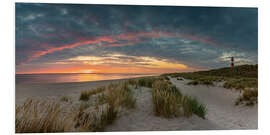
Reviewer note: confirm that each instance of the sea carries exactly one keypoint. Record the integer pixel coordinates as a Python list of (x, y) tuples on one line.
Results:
[(72, 77)]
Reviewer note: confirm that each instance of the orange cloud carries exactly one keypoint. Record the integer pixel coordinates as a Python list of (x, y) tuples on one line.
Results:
[(50, 50)]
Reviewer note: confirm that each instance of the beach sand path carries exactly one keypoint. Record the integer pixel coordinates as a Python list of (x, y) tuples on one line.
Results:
[(220, 105), (142, 118)]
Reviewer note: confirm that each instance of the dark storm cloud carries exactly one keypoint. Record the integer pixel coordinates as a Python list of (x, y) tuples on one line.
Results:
[(196, 36)]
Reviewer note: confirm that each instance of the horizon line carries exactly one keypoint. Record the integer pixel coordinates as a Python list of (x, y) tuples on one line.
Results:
[(88, 73)]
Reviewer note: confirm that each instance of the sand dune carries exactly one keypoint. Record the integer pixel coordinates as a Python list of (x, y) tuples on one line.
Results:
[(221, 114), (143, 119), (220, 105)]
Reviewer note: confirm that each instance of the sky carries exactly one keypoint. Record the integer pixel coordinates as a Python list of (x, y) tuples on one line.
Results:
[(76, 38)]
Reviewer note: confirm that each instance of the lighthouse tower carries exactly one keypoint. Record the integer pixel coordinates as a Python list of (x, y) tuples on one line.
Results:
[(232, 62)]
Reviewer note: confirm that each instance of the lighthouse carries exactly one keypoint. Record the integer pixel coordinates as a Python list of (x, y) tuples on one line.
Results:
[(232, 62)]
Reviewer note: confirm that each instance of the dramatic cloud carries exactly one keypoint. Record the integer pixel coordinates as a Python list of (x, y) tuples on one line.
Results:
[(157, 38)]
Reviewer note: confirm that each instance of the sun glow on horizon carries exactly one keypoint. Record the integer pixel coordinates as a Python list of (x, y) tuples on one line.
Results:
[(113, 63), (86, 71)]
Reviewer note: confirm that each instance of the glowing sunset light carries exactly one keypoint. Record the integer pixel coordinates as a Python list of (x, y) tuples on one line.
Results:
[(160, 39), (121, 60), (115, 63), (86, 71)]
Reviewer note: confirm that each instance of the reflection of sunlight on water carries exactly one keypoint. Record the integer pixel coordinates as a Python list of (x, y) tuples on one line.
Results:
[(57, 78), (96, 77), (93, 77)]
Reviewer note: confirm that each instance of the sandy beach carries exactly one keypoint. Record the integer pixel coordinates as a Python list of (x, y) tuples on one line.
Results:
[(220, 105), (56, 90), (221, 112)]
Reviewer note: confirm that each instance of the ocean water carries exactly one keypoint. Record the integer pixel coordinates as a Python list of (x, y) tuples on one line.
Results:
[(74, 77)]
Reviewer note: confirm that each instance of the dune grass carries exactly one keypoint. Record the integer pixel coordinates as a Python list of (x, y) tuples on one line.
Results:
[(193, 82), (146, 82), (96, 120), (238, 78), (242, 71), (192, 105), (101, 99), (198, 78), (179, 78), (202, 81), (85, 95), (49, 117), (133, 82), (83, 106), (241, 83), (149, 81), (117, 95), (65, 99), (121, 95), (40, 117), (249, 97), (166, 99)]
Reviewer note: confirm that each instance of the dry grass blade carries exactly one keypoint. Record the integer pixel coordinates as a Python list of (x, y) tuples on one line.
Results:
[(37, 117), (166, 99)]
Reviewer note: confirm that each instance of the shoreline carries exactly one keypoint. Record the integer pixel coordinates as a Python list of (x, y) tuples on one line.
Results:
[(49, 83), (45, 90)]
